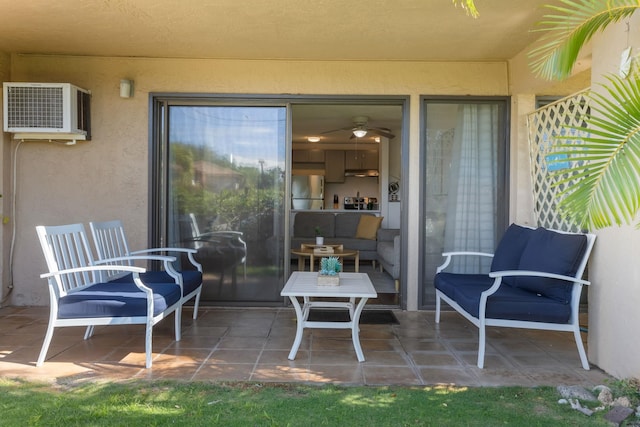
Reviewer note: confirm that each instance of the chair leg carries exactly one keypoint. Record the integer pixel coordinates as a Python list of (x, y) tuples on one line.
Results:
[(481, 344), (89, 332), (437, 308), (148, 343), (178, 315), (581, 352), (196, 304), (45, 345)]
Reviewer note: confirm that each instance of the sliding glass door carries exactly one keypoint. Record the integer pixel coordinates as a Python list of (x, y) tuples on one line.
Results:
[(224, 173), (464, 198)]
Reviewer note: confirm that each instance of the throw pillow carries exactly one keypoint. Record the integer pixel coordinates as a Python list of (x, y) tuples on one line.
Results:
[(368, 227), (509, 251), (551, 252)]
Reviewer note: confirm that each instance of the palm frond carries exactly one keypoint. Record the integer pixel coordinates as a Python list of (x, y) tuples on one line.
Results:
[(569, 28), (469, 6), (602, 187)]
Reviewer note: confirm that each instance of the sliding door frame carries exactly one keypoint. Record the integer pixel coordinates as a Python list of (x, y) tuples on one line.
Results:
[(503, 204)]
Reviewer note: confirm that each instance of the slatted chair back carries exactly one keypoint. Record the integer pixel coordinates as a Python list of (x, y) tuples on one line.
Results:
[(66, 247), (110, 239), (111, 242)]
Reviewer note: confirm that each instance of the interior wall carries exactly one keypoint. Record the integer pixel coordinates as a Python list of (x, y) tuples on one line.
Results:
[(108, 177)]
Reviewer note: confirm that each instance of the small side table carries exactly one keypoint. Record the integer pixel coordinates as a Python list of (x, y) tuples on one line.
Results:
[(306, 251), (352, 286)]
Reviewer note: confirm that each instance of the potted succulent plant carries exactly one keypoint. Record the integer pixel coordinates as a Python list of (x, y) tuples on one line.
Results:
[(329, 273), (319, 237)]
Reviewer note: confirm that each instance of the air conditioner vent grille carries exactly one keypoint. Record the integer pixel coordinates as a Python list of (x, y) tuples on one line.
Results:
[(35, 107)]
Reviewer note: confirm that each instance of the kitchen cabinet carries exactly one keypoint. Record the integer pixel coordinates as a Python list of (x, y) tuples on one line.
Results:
[(307, 156), (334, 166), (361, 159)]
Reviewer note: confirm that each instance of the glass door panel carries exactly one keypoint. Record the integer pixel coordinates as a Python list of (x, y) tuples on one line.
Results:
[(225, 197), (465, 199)]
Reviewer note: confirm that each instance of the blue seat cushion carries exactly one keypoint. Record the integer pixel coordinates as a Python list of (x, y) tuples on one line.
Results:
[(191, 279), (551, 252), (512, 304), (448, 282), (117, 299)]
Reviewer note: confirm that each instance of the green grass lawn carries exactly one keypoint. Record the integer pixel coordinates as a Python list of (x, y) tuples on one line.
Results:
[(166, 403)]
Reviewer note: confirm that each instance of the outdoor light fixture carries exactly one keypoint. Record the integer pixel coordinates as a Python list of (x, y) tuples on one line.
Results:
[(126, 88)]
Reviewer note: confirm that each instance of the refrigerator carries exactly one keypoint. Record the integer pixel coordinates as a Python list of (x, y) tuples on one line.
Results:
[(307, 192)]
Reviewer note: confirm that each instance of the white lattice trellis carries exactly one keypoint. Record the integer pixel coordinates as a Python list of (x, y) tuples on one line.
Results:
[(545, 124)]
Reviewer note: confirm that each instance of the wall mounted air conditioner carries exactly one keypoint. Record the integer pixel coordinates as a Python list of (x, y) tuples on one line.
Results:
[(49, 111)]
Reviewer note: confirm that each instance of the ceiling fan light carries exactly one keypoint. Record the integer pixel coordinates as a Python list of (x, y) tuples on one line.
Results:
[(313, 138), (359, 133)]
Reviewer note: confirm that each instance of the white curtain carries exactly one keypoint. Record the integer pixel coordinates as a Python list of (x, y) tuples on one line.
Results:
[(471, 218)]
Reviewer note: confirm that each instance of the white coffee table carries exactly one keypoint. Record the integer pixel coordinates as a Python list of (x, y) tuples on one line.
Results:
[(352, 286)]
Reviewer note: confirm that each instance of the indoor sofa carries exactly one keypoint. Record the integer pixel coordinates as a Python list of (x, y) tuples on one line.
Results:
[(388, 252), (353, 230)]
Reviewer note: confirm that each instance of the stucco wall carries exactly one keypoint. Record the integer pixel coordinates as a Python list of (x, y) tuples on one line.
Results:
[(614, 297), (108, 177), (5, 62)]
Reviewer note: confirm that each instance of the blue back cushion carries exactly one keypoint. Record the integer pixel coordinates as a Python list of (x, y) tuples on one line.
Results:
[(551, 252), (509, 251)]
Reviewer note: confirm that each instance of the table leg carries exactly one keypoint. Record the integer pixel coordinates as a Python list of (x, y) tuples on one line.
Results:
[(299, 328), (357, 261), (300, 263), (355, 329), (312, 261)]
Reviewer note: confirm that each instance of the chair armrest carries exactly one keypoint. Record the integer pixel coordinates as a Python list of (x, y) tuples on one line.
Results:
[(387, 234), (132, 269), (135, 272), (222, 232), (164, 258), (189, 251), (515, 273), (449, 256), (168, 249)]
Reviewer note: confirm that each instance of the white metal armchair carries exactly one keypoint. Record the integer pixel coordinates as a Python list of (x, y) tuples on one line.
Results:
[(81, 293), (111, 243)]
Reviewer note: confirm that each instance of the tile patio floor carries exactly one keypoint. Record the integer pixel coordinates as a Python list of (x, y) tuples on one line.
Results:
[(253, 344)]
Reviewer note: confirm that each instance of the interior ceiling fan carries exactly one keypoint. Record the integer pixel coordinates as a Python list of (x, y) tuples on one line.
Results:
[(361, 128)]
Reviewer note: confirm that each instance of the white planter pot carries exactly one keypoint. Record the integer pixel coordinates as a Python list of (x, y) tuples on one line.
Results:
[(319, 240)]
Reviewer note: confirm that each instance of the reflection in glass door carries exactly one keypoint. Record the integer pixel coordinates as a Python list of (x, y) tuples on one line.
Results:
[(464, 181), (225, 197)]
